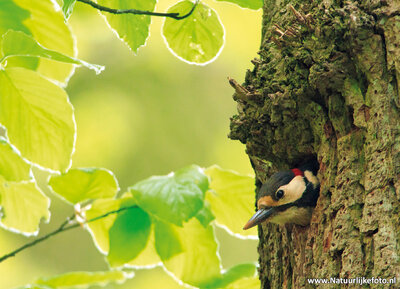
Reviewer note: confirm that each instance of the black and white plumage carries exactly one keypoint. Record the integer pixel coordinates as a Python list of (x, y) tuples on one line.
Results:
[(287, 197)]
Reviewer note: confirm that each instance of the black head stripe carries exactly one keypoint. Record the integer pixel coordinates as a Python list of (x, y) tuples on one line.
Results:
[(274, 182), (310, 196), (312, 166)]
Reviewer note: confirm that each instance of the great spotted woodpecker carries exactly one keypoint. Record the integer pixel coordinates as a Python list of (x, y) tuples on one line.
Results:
[(287, 197)]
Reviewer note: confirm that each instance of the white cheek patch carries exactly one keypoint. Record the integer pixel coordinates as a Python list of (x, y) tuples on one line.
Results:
[(293, 190), (311, 178)]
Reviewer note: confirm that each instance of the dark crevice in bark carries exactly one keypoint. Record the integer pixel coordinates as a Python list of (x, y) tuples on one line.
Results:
[(381, 33), (311, 158), (371, 233), (337, 258)]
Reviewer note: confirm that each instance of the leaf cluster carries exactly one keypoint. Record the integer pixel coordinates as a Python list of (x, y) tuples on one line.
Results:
[(161, 221), (195, 34)]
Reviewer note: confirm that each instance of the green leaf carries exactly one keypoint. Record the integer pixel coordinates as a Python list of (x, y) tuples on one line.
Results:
[(232, 275), (232, 198), (149, 257), (251, 4), (197, 39), (12, 166), (16, 43), (175, 198), (38, 117), (128, 235), (167, 242), (131, 29), (100, 228), (24, 205), (83, 279), (193, 174), (205, 215), (82, 184), (48, 28), (199, 263), (12, 17), (68, 7)]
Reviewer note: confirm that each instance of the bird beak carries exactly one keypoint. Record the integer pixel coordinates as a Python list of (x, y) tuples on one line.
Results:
[(259, 217)]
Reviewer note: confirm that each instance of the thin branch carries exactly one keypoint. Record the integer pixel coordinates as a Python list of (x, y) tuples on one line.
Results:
[(175, 16), (62, 228)]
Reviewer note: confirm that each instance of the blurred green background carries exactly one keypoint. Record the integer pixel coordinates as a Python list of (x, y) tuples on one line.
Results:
[(144, 115)]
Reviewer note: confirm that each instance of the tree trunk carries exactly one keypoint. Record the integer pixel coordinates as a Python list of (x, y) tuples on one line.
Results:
[(327, 86)]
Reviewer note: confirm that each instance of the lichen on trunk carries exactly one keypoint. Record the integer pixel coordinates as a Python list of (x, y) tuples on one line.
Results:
[(327, 86)]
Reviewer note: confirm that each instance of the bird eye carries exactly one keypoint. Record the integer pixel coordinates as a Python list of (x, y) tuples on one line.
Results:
[(279, 194)]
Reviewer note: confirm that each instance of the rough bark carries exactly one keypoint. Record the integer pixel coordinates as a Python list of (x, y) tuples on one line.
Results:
[(328, 88)]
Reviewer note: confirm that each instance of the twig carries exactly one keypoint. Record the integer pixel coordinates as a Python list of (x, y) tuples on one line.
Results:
[(62, 228), (175, 16), (242, 93), (301, 18)]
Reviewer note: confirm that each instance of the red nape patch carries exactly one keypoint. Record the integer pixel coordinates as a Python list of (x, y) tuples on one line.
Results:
[(297, 172)]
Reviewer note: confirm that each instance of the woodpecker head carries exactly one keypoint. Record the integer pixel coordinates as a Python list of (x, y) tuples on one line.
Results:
[(287, 197)]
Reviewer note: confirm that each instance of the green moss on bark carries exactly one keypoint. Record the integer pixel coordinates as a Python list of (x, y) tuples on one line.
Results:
[(329, 88)]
